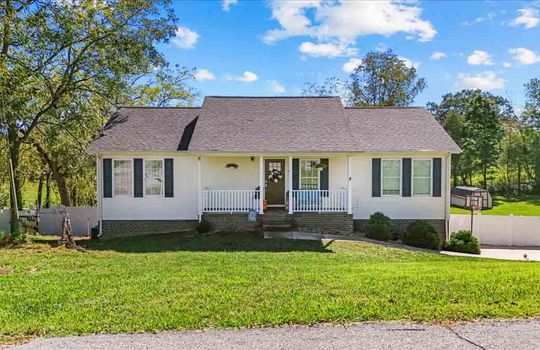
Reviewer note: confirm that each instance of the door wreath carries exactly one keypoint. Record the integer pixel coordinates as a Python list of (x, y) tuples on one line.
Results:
[(275, 175)]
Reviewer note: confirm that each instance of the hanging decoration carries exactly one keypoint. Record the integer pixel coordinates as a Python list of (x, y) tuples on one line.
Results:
[(275, 175)]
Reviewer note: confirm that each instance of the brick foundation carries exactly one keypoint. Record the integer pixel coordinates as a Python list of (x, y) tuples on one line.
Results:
[(231, 222), (122, 228), (327, 223), (401, 226)]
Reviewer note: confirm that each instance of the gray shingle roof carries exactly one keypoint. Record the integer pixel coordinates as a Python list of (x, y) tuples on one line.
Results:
[(275, 124), (144, 129)]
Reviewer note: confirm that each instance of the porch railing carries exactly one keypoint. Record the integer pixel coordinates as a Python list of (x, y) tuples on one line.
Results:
[(230, 201), (319, 200)]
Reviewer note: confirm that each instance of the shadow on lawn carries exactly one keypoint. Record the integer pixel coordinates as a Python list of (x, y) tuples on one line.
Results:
[(219, 242)]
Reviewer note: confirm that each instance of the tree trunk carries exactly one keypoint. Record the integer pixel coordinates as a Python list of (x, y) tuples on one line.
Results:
[(57, 175), (519, 177), (14, 196), (39, 193), (484, 175), (48, 190)]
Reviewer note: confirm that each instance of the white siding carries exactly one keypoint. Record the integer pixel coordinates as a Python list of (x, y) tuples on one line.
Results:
[(183, 206), (216, 177), (395, 207)]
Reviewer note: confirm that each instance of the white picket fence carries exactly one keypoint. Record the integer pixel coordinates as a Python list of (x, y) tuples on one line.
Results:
[(50, 221), (498, 230)]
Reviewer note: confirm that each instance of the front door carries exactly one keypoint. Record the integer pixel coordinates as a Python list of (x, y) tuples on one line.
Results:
[(275, 181)]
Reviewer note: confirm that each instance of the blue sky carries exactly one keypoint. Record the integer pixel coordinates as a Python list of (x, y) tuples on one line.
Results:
[(273, 48)]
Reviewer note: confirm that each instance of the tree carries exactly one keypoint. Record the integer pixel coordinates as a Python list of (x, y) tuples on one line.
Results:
[(484, 132), (455, 112), (50, 50), (531, 131), (383, 79)]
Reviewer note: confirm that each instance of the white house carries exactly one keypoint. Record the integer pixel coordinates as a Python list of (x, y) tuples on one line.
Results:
[(308, 162)]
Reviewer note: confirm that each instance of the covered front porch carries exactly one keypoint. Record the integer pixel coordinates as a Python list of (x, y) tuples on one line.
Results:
[(293, 183)]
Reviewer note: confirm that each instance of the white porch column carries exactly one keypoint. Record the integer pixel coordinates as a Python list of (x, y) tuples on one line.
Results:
[(99, 193), (261, 185), (289, 176), (349, 185), (199, 187), (448, 193)]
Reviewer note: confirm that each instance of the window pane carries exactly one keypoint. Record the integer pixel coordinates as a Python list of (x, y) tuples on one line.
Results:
[(422, 186), (122, 178), (422, 168), (153, 174), (390, 186), (309, 175), (391, 168)]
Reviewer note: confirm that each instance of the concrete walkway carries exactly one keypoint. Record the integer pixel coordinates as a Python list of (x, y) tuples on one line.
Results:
[(490, 252), (485, 335)]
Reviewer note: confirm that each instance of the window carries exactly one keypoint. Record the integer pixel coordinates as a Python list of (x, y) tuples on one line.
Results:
[(309, 175), (153, 177), (122, 178), (391, 177), (421, 177)]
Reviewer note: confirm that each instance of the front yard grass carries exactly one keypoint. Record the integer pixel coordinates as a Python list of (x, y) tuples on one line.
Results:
[(525, 206), (177, 281)]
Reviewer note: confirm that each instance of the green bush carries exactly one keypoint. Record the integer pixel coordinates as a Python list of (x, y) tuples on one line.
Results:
[(463, 242), (203, 227), (422, 234), (379, 227)]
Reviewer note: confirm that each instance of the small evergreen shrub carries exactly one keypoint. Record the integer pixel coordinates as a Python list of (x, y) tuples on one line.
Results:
[(379, 227), (463, 242), (203, 227), (422, 234)]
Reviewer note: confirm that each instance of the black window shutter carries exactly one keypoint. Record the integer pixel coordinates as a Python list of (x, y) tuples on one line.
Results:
[(406, 179), (376, 177), (324, 174), (169, 177), (437, 177), (295, 173), (137, 177), (107, 177)]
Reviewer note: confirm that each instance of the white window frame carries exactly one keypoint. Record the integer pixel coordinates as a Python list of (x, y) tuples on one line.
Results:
[(132, 178), (300, 174), (400, 177), (424, 177), (162, 193)]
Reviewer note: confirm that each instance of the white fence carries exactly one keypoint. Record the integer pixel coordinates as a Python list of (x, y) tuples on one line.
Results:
[(319, 200), (230, 201), (50, 219), (500, 230)]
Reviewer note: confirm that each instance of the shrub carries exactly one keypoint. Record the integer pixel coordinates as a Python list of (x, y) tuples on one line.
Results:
[(203, 227), (379, 227), (421, 234), (463, 242)]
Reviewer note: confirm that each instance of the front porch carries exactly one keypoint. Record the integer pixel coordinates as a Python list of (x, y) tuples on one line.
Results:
[(291, 183)]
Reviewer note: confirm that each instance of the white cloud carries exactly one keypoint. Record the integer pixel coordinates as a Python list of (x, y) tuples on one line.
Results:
[(342, 22), (507, 64), (351, 65), (480, 19), (437, 55), (277, 88), (204, 74), (327, 49), (528, 17), (246, 77), (479, 58), (410, 63), (524, 56), (185, 38), (485, 81), (226, 4)]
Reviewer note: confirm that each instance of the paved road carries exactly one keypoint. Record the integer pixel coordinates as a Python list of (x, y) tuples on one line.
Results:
[(485, 335)]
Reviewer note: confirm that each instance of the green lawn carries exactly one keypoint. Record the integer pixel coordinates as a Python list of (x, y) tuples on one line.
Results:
[(241, 280), (529, 206)]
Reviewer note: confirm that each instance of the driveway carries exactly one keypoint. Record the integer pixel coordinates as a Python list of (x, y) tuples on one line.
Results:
[(521, 254), (484, 335)]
